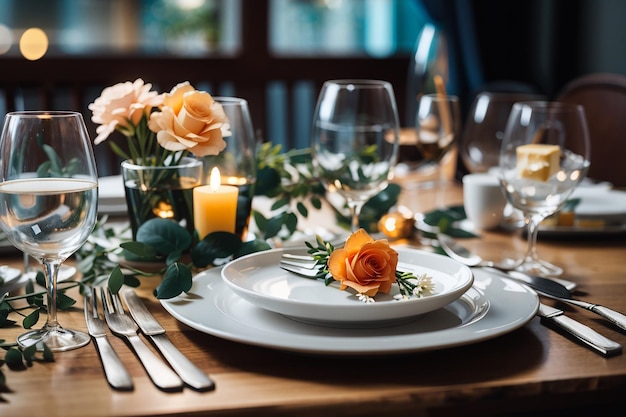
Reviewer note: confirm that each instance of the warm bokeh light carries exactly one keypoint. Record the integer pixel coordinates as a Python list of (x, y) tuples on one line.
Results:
[(34, 44), (6, 39)]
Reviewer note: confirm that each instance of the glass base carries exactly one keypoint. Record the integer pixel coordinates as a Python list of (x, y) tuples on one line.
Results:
[(57, 339), (539, 267)]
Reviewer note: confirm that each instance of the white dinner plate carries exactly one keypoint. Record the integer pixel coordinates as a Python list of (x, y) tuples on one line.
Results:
[(259, 279), (493, 306)]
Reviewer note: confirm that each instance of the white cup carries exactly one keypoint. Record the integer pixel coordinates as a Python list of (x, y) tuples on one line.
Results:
[(483, 200)]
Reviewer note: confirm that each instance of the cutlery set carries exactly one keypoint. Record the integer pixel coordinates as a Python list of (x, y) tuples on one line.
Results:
[(550, 288), (546, 287), (124, 326)]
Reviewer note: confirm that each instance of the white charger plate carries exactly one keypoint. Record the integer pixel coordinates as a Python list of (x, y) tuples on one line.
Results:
[(259, 279), (493, 306)]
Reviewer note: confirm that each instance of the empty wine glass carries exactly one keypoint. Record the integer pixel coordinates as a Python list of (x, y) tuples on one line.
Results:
[(353, 150), (544, 156), (48, 202), (438, 124), (484, 128)]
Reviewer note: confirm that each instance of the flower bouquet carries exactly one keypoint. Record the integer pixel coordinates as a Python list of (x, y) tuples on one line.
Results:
[(164, 133)]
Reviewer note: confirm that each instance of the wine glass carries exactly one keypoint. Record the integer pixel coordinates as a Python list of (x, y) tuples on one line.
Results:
[(544, 156), (438, 123), (48, 202), (353, 150), (484, 128)]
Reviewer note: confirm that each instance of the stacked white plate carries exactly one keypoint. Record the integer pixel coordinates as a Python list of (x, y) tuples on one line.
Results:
[(252, 300), (111, 198)]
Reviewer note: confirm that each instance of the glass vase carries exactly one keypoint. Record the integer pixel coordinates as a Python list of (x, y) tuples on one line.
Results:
[(161, 192)]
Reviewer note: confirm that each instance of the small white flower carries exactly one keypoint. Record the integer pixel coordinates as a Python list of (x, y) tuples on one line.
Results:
[(365, 298)]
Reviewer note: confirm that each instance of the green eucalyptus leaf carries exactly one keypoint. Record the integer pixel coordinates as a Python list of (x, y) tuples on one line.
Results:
[(177, 279), (31, 319), (281, 202), (29, 353), (4, 321), (64, 301), (316, 202), (302, 209), (48, 355), (291, 222), (260, 220), (140, 249), (267, 181), (40, 279), (116, 280), (55, 162), (165, 236), (43, 169), (274, 225), (14, 358), (214, 246), (131, 281)]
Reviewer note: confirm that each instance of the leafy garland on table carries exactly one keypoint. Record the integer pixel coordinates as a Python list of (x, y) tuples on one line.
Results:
[(285, 177)]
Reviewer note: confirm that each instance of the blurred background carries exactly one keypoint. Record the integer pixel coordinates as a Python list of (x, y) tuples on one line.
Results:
[(60, 54)]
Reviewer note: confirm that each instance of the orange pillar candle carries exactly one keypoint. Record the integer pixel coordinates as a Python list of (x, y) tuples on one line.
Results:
[(215, 206)]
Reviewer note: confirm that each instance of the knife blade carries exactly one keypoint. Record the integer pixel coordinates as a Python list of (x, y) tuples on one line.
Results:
[(545, 285), (585, 334), (188, 372)]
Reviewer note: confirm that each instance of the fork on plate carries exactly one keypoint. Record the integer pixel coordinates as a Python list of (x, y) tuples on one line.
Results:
[(123, 325), (114, 369), (303, 265)]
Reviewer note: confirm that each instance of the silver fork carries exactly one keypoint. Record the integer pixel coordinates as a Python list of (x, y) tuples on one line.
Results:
[(303, 265), (121, 324), (114, 369)]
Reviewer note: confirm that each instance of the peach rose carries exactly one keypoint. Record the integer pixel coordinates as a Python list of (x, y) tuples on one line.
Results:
[(122, 106), (190, 120), (364, 264)]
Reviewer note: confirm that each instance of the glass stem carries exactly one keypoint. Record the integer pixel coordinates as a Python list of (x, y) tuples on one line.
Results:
[(355, 210), (51, 269), (533, 228), (441, 189)]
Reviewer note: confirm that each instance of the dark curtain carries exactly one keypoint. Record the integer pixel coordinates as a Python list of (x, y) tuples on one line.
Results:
[(533, 42)]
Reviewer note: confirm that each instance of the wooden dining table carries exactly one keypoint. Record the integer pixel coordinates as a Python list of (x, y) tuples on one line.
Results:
[(533, 370)]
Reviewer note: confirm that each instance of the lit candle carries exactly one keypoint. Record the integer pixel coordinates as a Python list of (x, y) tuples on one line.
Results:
[(215, 206)]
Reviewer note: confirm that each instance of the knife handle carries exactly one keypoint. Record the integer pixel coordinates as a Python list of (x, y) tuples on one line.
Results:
[(114, 369), (613, 316), (586, 335), (187, 371)]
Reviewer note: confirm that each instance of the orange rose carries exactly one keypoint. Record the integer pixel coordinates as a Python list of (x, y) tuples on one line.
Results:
[(364, 264), (190, 120)]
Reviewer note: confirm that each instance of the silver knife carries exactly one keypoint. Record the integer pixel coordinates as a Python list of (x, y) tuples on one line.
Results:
[(583, 333), (188, 372), (556, 291)]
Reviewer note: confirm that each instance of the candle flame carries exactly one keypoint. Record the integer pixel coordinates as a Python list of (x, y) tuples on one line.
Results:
[(215, 179)]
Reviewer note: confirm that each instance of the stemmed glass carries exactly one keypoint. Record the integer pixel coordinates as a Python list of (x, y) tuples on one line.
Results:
[(438, 124), (355, 139), (48, 202), (484, 128), (538, 178)]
